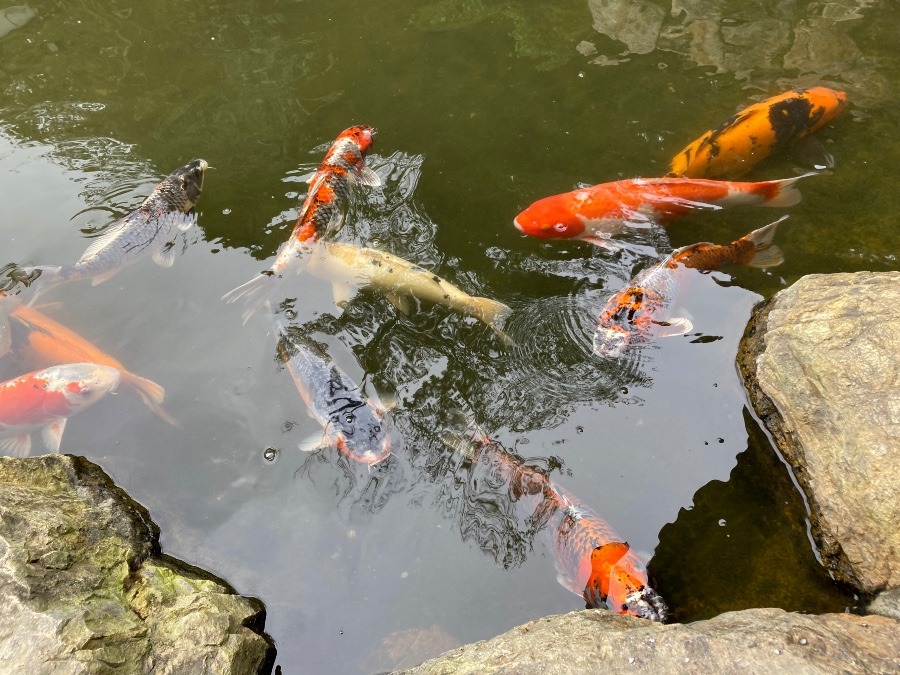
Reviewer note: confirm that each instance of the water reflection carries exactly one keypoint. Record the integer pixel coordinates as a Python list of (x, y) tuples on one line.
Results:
[(758, 43)]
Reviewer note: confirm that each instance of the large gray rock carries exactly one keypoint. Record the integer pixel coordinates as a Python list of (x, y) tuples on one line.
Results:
[(820, 361), (750, 641), (84, 589)]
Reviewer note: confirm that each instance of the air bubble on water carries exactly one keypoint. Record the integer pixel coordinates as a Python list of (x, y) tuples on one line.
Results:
[(581, 74), (270, 454), (226, 211), (802, 641), (722, 522)]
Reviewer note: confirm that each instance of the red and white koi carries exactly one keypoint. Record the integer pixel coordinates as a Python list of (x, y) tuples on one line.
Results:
[(599, 213), (45, 399), (322, 214), (644, 307)]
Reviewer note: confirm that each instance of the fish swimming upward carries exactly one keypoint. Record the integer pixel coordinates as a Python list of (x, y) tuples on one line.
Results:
[(48, 342), (598, 213), (751, 135), (351, 422), (149, 230), (322, 213), (400, 281), (45, 399), (591, 559), (645, 307)]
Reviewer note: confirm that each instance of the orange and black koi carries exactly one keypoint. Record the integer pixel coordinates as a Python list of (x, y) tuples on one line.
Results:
[(643, 307), (751, 135)]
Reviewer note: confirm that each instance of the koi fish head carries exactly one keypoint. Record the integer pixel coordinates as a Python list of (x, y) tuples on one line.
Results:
[(362, 434), (362, 136), (611, 340), (620, 322), (79, 385), (618, 583), (551, 218), (182, 188)]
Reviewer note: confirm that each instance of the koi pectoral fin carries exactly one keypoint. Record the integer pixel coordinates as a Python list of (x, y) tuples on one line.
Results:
[(602, 242), (17, 446), (674, 327), (52, 434), (317, 442)]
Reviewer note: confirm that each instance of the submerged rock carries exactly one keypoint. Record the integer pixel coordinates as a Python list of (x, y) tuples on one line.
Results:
[(85, 588), (750, 641), (820, 363)]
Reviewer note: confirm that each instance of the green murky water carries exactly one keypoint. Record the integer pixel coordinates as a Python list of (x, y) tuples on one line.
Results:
[(481, 108)]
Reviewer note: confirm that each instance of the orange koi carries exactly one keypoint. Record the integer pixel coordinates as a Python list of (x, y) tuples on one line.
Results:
[(642, 308), (322, 213), (598, 213), (49, 343), (46, 399), (752, 134)]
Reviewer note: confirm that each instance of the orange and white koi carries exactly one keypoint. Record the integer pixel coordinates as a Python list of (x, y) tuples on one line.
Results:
[(48, 343), (752, 134), (151, 229), (598, 213), (644, 307), (322, 214), (45, 399), (351, 422), (591, 559)]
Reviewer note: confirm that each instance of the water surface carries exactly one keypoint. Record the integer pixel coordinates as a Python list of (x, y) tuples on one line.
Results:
[(481, 108)]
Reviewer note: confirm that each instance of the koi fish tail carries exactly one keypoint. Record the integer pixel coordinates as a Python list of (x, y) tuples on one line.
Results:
[(493, 313), (151, 393), (766, 254), (254, 294)]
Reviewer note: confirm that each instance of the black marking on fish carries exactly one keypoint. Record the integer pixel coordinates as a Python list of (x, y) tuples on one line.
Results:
[(790, 119)]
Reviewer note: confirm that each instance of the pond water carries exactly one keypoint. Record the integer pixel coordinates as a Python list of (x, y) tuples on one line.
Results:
[(481, 108)]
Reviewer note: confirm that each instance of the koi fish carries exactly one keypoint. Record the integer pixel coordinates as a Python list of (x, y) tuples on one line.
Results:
[(49, 343), (351, 422), (591, 559), (148, 230), (322, 213), (45, 399), (752, 134), (400, 281), (643, 307), (598, 213)]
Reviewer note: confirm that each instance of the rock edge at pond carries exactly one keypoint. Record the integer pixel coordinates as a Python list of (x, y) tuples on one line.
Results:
[(85, 588), (749, 641), (819, 360)]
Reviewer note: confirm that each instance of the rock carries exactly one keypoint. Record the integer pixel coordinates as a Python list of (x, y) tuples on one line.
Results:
[(886, 604), (85, 588), (749, 641), (820, 363), (406, 648)]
